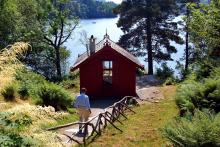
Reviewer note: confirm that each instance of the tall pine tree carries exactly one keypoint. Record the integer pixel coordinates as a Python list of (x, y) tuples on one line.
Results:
[(149, 28)]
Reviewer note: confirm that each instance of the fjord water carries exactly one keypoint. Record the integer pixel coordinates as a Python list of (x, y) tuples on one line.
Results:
[(98, 27)]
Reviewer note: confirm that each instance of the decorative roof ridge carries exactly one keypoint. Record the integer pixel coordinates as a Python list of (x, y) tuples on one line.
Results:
[(101, 44)]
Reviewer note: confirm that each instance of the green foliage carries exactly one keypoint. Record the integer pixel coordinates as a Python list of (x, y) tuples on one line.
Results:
[(148, 28), (164, 72), (204, 93), (94, 9), (170, 81), (204, 29), (41, 91), (140, 72), (204, 68), (53, 95), (215, 74), (23, 92), (29, 83), (9, 92), (182, 72), (202, 130), (70, 81), (10, 126)]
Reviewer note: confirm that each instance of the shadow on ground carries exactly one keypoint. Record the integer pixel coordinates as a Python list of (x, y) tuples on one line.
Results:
[(147, 81), (102, 103)]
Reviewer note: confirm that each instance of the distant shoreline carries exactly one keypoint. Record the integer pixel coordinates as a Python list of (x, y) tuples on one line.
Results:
[(83, 18)]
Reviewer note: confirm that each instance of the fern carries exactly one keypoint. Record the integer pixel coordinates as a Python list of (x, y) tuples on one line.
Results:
[(202, 129)]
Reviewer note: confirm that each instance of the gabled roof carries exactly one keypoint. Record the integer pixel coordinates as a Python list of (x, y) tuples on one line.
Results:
[(99, 46)]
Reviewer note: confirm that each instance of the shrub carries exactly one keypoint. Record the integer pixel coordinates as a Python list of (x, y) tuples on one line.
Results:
[(204, 69), (41, 91), (182, 73), (215, 73), (68, 84), (70, 81), (164, 72), (54, 95), (29, 83), (201, 130), (9, 93), (23, 92), (72, 75), (140, 72), (170, 81), (10, 126), (204, 94)]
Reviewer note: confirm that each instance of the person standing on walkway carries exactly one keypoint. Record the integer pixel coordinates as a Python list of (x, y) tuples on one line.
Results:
[(83, 107)]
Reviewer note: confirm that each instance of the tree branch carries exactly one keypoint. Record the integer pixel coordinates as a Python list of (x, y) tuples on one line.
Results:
[(61, 32), (69, 34), (50, 42)]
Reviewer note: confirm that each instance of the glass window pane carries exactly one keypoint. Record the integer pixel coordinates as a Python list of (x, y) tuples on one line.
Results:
[(107, 71), (110, 62), (107, 64)]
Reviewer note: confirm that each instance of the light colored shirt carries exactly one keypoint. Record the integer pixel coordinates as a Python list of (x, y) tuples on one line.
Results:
[(82, 101)]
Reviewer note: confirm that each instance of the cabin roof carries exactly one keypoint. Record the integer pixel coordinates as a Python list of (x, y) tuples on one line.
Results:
[(99, 46)]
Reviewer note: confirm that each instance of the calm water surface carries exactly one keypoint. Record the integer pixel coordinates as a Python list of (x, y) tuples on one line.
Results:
[(97, 27)]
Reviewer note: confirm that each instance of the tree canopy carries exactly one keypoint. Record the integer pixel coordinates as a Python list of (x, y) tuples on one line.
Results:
[(149, 28), (93, 9), (45, 24), (205, 29)]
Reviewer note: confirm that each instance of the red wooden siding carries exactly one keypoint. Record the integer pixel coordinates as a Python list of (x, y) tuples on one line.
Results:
[(123, 82)]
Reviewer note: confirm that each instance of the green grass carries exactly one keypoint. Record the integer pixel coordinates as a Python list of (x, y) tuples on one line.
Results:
[(142, 128), (70, 118)]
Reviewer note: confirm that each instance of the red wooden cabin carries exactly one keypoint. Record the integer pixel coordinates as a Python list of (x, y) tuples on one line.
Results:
[(107, 70)]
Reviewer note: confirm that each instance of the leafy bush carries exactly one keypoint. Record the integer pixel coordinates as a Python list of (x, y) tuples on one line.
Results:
[(201, 130), (10, 127), (193, 94), (182, 73), (204, 69), (140, 72), (29, 83), (23, 92), (70, 81), (53, 95), (41, 91), (9, 92), (215, 73), (170, 81), (164, 72)]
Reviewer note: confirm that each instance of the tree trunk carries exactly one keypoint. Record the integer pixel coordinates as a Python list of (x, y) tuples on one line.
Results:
[(187, 42), (187, 50), (149, 47), (59, 74)]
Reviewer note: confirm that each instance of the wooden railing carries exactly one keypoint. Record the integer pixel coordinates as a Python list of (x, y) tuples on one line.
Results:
[(109, 116)]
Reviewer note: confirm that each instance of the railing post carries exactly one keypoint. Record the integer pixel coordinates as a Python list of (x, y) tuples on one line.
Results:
[(118, 109), (85, 133)]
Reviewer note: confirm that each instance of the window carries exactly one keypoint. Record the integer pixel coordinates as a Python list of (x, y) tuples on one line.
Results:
[(107, 71)]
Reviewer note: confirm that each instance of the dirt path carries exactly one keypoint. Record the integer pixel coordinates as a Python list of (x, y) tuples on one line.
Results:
[(145, 91), (72, 129)]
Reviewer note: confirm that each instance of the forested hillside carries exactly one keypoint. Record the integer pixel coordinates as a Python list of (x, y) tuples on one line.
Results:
[(93, 9), (31, 21)]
